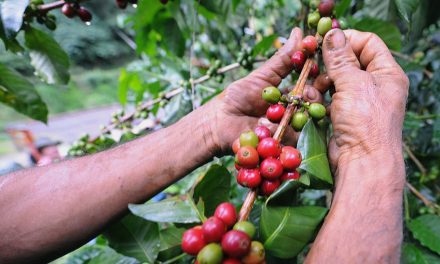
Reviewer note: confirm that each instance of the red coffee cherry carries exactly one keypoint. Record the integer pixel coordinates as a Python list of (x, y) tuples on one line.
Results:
[(309, 45), (298, 59), (236, 145), (269, 147), (335, 23), (122, 4), (236, 244), (68, 10), (268, 187), (84, 14), (325, 8), (213, 229), (275, 113), (290, 175), (247, 157), (290, 158), (231, 261), (314, 71), (271, 168), (226, 212), (237, 167), (192, 241), (250, 178), (262, 132)]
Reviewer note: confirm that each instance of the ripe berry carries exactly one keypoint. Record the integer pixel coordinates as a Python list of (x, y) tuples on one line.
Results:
[(236, 243), (298, 59), (324, 25), (226, 212), (247, 157), (68, 10), (326, 7), (314, 71), (314, 4), (335, 23), (248, 138), (290, 175), (250, 178), (299, 119), (269, 147), (247, 227), (271, 95), (192, 241), (316, 110), (84, 14), (262, 132), (210, 254), (313, 19), (268, 187), (231, 261), (290, 158), (310, 44), (237, 167), (122, 4), (271, 168), (275, 113), (256, 254), (236, 145), (213, 229)]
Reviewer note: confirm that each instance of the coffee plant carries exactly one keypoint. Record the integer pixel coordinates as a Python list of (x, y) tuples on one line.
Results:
[(188, 52)]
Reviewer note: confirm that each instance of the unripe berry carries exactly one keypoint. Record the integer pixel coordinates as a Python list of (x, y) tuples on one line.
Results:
[(262, 132), (248, 138), (316, 111), (324, 25), (299, 119), (236, 243), (68, 10), (210, 254), (213, 229), (275, 113), (84, 14), (271, 95), (226, 212), (271, 168), (310, 44), (314, 71), (247, 157), (269, 147), (313, 19), (343, 23), (335, 23), (249, 178), (298, 59), (268, 187), (256, 254), (192, 241), (290, 158), (326, 7), (247, 227), (290, 175), (314, 4)]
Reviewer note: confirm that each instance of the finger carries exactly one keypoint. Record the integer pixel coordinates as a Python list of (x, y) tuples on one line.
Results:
[(312, 95), (272, 72), (340, 61), (322, 83)]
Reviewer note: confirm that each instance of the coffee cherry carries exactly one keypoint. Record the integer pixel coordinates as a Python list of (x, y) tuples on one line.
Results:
[(247, 227), (236, 145), (213, 229), (299, 119), (250, 178), (133, 2), (271, 95), (314, 71), (271, 168), (313, 19), (247, 157), (310, 44), (262, 132), (236, 243), (231, 261), (122, 4), (290, 175), (343, 24), (268, 187), (269, 147), (290, 158), (335, 23), (248, 138), (275, 113), (325, 8), (84, 14), (237, 167), (298, 59), (192, 241), (210, 254), (316, 111), (226, 212), (324, 25), (256, 254), (164, 1), (68, 10), (314, 4)]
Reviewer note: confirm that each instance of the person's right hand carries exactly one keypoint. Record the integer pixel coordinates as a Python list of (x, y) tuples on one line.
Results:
[(368, 107)]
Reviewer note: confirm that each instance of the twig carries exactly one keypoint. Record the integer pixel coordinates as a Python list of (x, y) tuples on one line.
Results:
[(408, 58), (414, 159)]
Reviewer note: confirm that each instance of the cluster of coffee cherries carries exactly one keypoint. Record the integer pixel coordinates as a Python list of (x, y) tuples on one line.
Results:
[(221, 239), (322, 18), (72, 10), (122, 4)]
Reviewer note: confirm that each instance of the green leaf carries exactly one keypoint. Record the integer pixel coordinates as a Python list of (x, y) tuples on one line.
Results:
[(406, 8), (411, 254), (285, 194), (49, 60), (264, 45), (12, 15), (135, 237), (388, 32), (10, 44), (342, 7), (426, 229), (214, 188), (314, 153), (175, 210), (94, 254), (287, 230), (170, 237), (379, 9), (20, 94)]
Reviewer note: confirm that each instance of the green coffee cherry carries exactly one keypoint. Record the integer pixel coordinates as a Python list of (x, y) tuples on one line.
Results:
[(210, 254), (314, 4), (313, 19), (324, 25), (246, 227), (299, 119), (316, 111), (271, 95), (343, 23), (248, 138)]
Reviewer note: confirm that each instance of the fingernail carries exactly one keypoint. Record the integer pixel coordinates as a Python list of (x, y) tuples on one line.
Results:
[(311, 94), (336, 39)]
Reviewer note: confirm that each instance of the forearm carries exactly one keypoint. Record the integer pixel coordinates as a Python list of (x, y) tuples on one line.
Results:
[(364, 224), (51, 209)]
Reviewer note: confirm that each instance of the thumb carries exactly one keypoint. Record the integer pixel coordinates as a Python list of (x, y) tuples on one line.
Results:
[(340, 61)]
